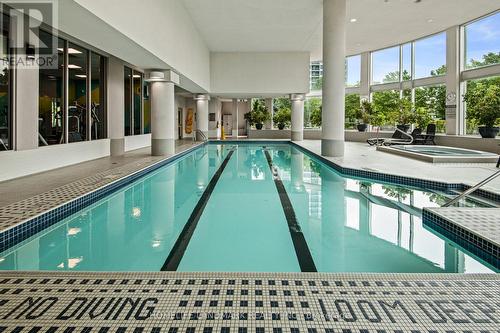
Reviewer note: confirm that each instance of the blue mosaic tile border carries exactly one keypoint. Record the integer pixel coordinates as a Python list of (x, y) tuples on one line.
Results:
[(473, 243), (24, 230)]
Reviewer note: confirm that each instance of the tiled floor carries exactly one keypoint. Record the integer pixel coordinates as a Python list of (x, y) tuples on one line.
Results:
[(247, 302)]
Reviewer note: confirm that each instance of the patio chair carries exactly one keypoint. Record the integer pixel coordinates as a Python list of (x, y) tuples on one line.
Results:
[(428, 137), (398, 136)]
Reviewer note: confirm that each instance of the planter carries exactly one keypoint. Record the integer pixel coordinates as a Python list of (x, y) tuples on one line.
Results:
[(281, 126), (258, 126), (404, 128), (362, 127), (488, 132)]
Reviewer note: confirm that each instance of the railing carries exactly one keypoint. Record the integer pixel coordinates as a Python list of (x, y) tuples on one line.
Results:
[(472, 189), (201, 134)]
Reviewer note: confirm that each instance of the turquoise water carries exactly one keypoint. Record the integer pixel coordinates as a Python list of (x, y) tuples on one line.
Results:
[(349, 225)]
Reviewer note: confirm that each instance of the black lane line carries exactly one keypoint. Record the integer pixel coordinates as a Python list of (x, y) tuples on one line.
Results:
[(175, 255), (304, 256)]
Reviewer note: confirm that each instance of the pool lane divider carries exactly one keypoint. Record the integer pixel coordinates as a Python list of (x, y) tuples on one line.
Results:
[(175, 256), (304, 256)]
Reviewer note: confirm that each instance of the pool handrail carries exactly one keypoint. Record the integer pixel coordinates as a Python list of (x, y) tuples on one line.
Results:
[(472, 189)]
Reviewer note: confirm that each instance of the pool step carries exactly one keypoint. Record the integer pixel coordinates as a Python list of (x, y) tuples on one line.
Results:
[(482, 202)]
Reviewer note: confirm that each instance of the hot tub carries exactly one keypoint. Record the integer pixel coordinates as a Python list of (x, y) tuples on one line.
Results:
[(441, 154)]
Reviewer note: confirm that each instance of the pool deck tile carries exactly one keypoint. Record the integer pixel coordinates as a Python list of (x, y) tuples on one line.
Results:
[(248, 302)]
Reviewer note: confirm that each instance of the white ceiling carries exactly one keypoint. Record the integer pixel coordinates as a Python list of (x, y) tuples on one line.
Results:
[(296, 25)]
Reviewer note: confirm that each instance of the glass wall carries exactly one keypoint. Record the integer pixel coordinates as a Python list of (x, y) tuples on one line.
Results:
[(385, 65), (479, 87), (352, 105), (482, 42), (97, 96), (77, 93), (51, 117), (385, 104), (430, 56), (127, 88), (137, 92), (147, 109), (5, 108), (353, 71), (433, 99), (406, 61), (312, 112), (316, 75)]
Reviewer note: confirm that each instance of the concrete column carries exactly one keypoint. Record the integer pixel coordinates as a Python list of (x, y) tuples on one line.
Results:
[(297, 116), (235, 133), (455, 120), (334, 28), (364, 85), (202, 113), (163, 127), (269, 105), (26, 106), (116, 106)]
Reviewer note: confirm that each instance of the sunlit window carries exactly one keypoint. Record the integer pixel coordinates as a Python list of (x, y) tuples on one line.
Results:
[(430, 56), (482, 42), (353, 71), (385, 65)]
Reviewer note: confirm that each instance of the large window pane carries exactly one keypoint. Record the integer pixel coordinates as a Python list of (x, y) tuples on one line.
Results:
[(430, 56), (385, 65), (5, 110), (128, 100), (433, 100), (77, 93), (98, 112), (137, 82), (147, 109), (481, 85), (385, 103), (482, 42), (316, 75), (50, 104), (406, 61), (312, 112), (353, 76), (352, 104)]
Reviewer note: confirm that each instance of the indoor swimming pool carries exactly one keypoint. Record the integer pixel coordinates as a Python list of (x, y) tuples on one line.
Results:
[(248, 208)]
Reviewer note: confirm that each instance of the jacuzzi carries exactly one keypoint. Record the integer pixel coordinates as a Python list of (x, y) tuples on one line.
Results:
[(441, 154)]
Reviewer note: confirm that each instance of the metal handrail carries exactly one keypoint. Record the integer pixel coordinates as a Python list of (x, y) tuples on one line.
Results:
[(202, 135), (473, 188)]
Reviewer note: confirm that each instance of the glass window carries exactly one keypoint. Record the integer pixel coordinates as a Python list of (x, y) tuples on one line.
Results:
[(50, 103), (385, 65), (312, 112), (5, 109), (353, 71), (128, 100), (482, 42), (77, 93), (431, 101), (137, 93), (147, 109), (406, 61), (316, 75), (385, 103), (352, 104), (430, 56), (480, 86), (97, 96)]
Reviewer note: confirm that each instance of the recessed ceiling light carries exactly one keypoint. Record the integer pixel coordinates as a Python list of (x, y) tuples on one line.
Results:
[(430, 20), (353, 20)]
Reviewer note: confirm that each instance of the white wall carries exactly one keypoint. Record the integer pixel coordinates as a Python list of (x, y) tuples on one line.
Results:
[(133, 142), (25, 162), (163, 27), (254, 73)]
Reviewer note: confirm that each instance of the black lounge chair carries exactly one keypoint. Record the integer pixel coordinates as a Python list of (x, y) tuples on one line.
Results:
[(399, 137), (428, 137)]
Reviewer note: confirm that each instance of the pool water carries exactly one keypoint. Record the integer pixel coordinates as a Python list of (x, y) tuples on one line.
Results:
[(262, 209)]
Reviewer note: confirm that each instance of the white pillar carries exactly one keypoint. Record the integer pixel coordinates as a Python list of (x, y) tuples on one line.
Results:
[(163, 129), (202, 113), (334, 27), (455, 124), (116, 106), (269, 105), (297, 116), (234, 127)]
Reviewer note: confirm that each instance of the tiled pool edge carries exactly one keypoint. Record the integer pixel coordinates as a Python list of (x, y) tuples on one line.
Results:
[(25, 229), (174, 302)]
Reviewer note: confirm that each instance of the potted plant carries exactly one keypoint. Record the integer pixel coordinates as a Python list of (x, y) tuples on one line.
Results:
[(364, 115), (283, 117), (483, 105), (404, 116), (258, 115), (422, 118)]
